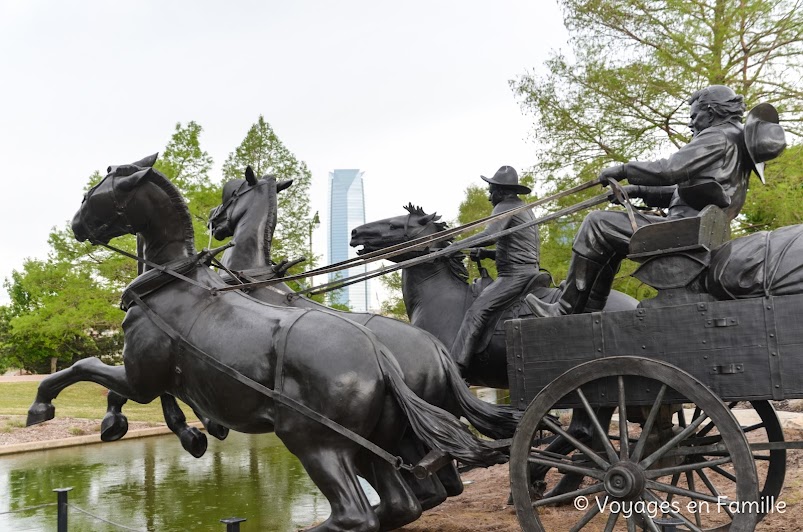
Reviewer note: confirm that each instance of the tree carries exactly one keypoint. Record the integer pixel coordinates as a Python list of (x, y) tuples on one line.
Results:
[(66, 307), (187, 166), (620, 95), (266, 154), (59, 313), (393, 306), (636, 61)]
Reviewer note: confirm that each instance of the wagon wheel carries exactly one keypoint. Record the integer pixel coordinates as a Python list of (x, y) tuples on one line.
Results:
[(767, 430), (643, 475)]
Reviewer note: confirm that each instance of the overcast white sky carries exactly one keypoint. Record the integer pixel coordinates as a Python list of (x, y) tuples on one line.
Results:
[(414, 93)]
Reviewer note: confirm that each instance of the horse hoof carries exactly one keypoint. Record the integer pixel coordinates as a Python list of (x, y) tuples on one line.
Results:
[(217, 430), (113, 427), (193, 441), (39, 413)]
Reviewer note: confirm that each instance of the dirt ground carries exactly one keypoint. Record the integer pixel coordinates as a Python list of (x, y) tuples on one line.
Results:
[(482, 506)]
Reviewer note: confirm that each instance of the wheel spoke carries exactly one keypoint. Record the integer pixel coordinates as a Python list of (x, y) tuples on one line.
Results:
[(674, 482), (564, 467), (673, 513), (648, 519), (624, 442), (647, 462), (714, 491), (557, 429), (724, 473), (642, 441), (660, 486), (590, 514), (676, 470), (690, 483), (596, 488), (611, 521), (601, 432), (631, 523)]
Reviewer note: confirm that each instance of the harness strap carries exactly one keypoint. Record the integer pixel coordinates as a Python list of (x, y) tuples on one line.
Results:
[(304, 410)]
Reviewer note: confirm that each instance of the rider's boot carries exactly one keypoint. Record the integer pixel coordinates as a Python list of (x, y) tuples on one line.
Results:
[(581, 277), (598, 296)]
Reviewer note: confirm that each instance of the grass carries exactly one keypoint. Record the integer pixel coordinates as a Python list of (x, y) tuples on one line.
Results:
[(82, 400)]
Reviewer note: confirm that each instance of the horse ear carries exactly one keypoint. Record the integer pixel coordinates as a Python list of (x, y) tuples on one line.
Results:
[(281, 185), (249, 176), (129, 182), (147, 162), (428, 219)]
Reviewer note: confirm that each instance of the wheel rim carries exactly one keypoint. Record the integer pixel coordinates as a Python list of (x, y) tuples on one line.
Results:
[(640, 475)]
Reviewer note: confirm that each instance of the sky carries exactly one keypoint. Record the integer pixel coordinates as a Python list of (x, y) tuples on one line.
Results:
[(416, 94)]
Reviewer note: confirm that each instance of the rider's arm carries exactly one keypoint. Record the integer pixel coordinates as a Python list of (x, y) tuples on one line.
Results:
[(659, 197), (705, 150)]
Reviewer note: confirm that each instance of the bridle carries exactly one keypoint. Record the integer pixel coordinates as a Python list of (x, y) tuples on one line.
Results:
[(120, 218), (224, 207)]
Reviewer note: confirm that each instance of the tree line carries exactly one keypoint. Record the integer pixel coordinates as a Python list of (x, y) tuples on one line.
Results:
[(65, 307)]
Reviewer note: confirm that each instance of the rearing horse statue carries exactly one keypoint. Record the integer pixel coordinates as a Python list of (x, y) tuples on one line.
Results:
[(323, 384)]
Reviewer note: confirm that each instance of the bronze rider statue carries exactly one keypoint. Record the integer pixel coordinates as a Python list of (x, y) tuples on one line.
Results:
[(712, 169), (516, 257)]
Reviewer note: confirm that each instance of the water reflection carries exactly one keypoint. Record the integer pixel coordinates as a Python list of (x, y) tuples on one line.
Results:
[(153, 484)]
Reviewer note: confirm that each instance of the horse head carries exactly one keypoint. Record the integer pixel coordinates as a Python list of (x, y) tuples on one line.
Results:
[(107, 208), (236, 202), (388, 232)]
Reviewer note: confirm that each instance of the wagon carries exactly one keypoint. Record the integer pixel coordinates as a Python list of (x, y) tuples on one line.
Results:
[(679, 391)]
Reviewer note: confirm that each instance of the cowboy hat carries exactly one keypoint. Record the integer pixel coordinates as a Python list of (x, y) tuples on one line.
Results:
[(763, 136), (507, 177)]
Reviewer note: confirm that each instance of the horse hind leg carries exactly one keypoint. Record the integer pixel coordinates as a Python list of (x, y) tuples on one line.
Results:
[(87, 369), (114, 425), (398, 504)]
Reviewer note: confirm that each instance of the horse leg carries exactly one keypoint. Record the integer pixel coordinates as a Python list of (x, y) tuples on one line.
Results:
[(87, 369), (430, 491), (212, 427), (398, 505), (192, 439), (332, 468), (114, 425)]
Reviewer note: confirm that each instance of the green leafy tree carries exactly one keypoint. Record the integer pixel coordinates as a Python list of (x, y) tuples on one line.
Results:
[(60, 313), (266, 154), (393, 305), (188, 166), (779, 202), (66, 307), (620, 93)]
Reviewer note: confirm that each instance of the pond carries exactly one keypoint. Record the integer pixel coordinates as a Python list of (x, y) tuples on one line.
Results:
[(153, 484)]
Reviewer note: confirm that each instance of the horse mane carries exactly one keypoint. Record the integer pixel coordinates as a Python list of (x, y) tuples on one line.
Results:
[(177, 201), (456, 264)]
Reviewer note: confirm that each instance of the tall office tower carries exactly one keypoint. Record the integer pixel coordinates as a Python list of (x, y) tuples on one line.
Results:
[(346, 211)]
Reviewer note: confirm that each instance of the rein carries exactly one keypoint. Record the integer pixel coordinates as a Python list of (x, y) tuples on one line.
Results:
[(404, 247), (186, 346), (449, 250)]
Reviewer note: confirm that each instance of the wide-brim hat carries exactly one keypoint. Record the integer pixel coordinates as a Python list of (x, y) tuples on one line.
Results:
[(763, 136), (507, 177)]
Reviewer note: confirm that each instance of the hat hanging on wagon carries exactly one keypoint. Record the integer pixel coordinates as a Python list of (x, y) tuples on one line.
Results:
[(763, 136), (507, 177)]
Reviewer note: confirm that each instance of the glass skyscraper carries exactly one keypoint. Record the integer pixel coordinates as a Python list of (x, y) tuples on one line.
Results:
[(346, 211)]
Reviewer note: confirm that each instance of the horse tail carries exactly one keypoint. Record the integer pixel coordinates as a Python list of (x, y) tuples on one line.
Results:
[(495, 421), (435, 427)]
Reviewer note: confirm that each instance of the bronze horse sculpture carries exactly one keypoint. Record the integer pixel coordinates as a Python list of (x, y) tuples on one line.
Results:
[(323, 384), (248, 213), (437, 293)]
